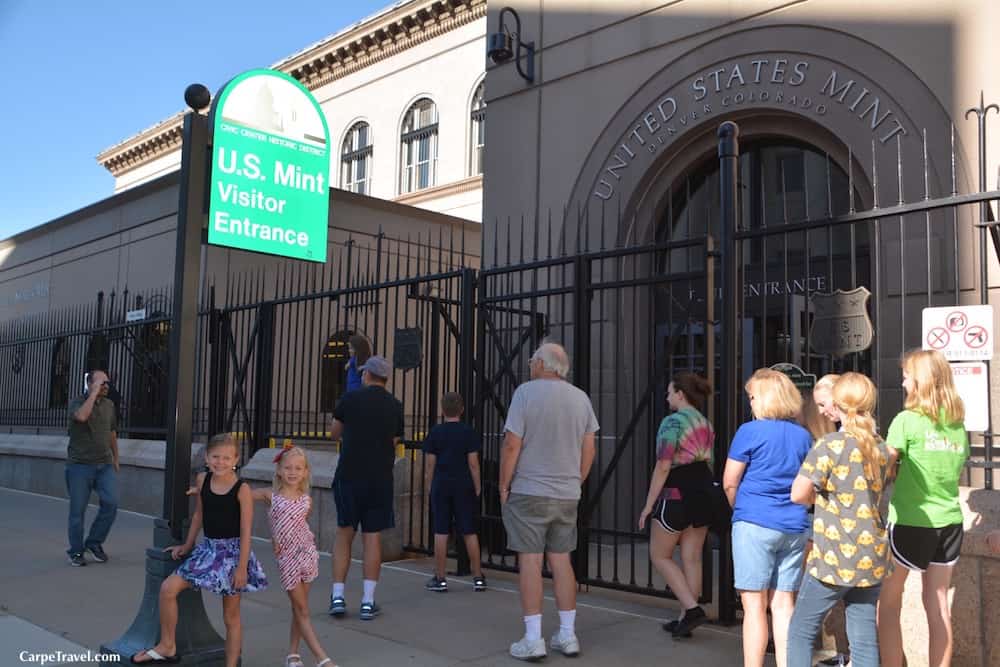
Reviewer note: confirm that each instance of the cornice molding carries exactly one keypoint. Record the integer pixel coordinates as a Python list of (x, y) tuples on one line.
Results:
[(340, 55), (454, 188)]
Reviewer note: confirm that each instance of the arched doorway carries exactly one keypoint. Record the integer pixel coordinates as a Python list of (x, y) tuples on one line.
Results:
[(333, 369), (784, 185)]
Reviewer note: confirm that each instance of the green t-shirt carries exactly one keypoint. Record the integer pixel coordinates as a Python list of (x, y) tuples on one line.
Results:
[(932, 456), (90, 441)]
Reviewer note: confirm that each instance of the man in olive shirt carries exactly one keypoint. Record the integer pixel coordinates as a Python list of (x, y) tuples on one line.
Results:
[(91, 465)]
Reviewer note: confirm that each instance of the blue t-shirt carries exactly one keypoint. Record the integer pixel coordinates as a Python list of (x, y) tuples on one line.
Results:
[(773, 451), (451, 443), (353, 375)]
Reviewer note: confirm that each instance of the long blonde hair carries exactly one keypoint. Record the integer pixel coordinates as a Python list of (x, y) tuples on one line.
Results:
[(306, 483), (813, 420), (775, 397), (855, 396), (934, 390)]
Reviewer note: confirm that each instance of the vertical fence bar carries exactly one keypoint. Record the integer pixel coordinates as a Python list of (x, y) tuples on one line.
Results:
[(730, 251)]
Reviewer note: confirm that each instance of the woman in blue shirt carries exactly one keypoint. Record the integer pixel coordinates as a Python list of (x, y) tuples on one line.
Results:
[(769, 530)]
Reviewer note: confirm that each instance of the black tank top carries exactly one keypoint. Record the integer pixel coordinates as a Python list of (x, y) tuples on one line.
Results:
[(220, 514)]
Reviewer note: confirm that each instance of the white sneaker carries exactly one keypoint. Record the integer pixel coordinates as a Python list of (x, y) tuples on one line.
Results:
[(528, 649), (566, 643)]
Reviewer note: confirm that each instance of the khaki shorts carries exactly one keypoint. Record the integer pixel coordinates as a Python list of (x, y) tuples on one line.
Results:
[(538, 525)]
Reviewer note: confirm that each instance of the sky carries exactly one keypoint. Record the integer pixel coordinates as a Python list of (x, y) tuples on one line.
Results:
[(80, 77)]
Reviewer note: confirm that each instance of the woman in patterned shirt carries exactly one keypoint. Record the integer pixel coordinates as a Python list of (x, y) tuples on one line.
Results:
[(679, 496), (844, 474)]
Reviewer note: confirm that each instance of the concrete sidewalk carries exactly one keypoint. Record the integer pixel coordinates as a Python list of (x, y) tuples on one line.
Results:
[(46, 604)]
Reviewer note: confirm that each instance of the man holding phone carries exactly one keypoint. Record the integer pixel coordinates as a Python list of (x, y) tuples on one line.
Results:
[(92, 465)]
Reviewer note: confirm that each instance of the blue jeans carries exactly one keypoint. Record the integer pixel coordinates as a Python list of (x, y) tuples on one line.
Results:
[(814, 601), (81, 479)]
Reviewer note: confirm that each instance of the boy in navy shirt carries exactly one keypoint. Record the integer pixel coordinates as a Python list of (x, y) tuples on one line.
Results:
[(452, 451)]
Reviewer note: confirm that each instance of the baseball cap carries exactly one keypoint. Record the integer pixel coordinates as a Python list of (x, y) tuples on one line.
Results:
[(377, 365)]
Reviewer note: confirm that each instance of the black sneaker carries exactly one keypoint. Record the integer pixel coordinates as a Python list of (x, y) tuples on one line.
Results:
[(479, 583), (692, 619), (77, 560), (669, 627), (338, 607), (99, 554), (369, 610), (437, 584)]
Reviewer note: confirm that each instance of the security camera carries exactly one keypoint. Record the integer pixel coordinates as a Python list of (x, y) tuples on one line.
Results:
[(500, 47)]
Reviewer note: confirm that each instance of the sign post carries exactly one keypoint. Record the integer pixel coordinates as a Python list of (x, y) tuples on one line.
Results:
[(268, 192)]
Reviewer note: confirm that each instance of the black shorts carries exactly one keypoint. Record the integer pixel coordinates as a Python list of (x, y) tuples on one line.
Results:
[(368, 503), (915, 547), (454, 502), (676, 515)]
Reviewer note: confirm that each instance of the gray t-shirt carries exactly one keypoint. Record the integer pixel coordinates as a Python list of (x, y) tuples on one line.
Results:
[(551, 417)]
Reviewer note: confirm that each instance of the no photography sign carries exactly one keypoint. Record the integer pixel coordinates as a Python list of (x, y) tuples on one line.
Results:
[(960, 333)]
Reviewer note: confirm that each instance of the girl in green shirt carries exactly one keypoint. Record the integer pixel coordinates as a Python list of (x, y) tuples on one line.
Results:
[(925, 519)]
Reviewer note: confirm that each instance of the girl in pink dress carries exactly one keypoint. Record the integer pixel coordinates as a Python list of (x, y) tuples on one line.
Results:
[(294, 546)]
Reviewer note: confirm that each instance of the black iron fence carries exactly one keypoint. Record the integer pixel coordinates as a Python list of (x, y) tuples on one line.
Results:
[(831, 276)]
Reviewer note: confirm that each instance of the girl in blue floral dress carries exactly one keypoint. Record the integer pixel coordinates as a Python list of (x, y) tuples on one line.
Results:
[(221, 563)]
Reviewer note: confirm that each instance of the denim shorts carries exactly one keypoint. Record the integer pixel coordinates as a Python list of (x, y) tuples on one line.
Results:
[(767, 559)]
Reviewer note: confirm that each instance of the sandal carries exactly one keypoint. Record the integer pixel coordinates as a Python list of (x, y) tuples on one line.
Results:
[(294, 660), (328, 661), (157, 659)]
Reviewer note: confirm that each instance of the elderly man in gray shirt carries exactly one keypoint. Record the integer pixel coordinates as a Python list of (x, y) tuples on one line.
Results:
[(547, 453)]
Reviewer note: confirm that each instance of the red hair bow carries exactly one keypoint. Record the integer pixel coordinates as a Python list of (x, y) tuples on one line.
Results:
[(288, 445)]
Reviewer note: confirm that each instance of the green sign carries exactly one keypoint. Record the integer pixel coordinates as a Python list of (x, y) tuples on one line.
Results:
[(802, 380), (270, 168)]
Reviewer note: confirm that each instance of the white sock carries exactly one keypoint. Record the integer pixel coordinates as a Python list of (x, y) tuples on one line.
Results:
[(369, 593), (567, 621), (338, 590), (533, 627)]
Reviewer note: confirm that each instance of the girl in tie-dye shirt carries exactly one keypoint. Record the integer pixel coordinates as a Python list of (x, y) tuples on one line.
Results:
[(679, 498)]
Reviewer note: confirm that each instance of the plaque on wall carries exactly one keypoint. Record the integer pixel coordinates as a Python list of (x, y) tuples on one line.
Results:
[(407, 348), (840, 323)]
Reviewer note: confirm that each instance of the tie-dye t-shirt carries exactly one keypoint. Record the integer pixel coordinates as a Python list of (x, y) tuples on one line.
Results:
[(849, 535), (684, 437)]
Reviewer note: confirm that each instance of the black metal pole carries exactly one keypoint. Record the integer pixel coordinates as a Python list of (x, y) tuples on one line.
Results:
[(184, 328), (731, 260), (581, 378), (466, 379), (984, 286), (196, 639)]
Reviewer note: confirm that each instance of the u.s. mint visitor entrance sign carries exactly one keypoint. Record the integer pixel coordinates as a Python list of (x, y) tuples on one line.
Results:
[(270, 168)]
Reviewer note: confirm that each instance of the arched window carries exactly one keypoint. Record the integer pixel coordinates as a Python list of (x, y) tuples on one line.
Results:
[(356, 158), (477, 139), (333, 370), (419, 152), (59, 375), (97, 353)]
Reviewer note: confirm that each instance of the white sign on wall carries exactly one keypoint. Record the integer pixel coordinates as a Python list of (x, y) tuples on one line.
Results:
[(135, 315), (960, 333), (971, 382)]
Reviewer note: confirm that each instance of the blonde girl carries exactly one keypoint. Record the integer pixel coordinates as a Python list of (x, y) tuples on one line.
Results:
[(844, 475), (221, 563), (928, 439), (294, 546), (823, 397)]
